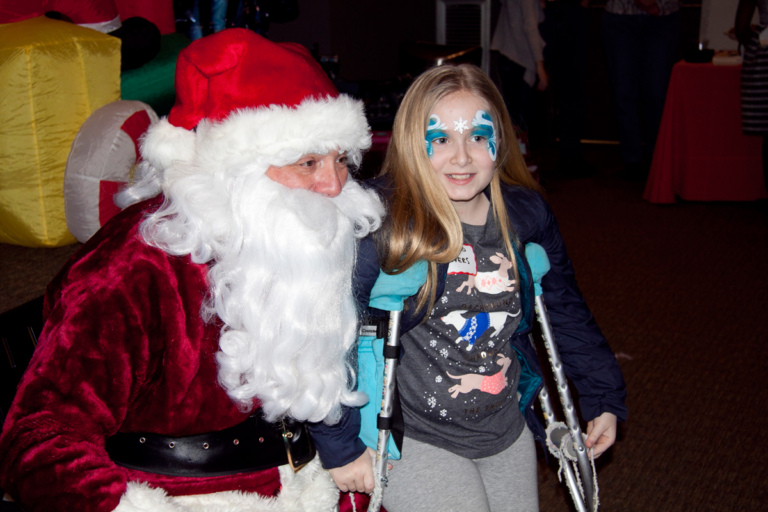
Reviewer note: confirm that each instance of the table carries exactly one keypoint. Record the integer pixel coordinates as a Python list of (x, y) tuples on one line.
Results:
[(701, 153)]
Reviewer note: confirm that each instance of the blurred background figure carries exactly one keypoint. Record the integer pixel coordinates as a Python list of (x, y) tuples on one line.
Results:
[(519, 57), (203, 17), (566, 32), (207, 17), (640, 39), (754, 71)]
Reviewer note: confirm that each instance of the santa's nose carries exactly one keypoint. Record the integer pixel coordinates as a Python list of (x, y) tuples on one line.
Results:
[(330, 179)]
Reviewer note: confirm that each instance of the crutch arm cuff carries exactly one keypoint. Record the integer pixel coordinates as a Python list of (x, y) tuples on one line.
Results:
[(384, 423), (391, 352)]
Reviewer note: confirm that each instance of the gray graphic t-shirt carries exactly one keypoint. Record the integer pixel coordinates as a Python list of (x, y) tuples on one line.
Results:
[(458, 376)]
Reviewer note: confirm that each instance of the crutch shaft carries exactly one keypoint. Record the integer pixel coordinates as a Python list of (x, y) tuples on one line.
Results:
[(387, 403), (390, 365), (381, 462), (570, 477), (569, 410)]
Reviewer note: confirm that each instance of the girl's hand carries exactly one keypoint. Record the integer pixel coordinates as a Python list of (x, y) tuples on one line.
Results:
[(601, 433), (357, 476)]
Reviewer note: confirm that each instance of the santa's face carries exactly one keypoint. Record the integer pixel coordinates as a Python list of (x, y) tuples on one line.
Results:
[(322, 174)]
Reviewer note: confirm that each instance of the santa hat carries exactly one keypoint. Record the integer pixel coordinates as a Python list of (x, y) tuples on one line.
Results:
[(243, 99)]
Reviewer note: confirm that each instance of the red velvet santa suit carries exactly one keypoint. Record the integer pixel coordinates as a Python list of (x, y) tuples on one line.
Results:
[(125, 350)]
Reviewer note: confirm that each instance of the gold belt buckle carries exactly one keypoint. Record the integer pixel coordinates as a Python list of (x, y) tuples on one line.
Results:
[(287, 436)]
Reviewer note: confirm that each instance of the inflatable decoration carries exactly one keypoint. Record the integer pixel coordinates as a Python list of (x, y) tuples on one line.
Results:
[(103, 156), (54, 75)]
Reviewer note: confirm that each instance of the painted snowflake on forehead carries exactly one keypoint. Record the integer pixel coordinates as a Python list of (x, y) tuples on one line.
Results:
[(460, 125)]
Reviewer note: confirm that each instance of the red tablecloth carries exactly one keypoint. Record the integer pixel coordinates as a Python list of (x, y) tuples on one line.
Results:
[(701, 154)]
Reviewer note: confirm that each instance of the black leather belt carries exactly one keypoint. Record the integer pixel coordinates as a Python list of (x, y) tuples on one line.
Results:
[(253, 445)]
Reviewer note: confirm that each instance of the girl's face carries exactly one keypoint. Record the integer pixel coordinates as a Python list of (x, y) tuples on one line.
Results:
[(461, 144)]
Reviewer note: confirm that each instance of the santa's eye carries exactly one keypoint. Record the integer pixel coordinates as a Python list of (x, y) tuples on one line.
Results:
[(310, 162)]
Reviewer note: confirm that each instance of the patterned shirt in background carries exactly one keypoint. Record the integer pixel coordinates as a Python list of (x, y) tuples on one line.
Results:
[(630, 7)]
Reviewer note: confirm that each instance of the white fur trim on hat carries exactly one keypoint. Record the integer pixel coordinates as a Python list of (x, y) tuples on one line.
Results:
[(274, 135), (309, 490), (163, 143)]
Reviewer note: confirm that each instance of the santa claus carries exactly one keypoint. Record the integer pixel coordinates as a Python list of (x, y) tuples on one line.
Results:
[(191, 339)]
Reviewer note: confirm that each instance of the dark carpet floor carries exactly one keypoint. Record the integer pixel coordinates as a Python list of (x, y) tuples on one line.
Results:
[(680, 292)]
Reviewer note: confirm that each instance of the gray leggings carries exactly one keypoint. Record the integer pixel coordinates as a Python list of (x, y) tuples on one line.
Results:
[(428, 478)]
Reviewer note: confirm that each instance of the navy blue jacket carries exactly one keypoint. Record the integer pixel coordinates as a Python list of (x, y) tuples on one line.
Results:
[(586, 356)]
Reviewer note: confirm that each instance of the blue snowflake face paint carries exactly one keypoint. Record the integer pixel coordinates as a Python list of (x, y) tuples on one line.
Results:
[(483, 127), (436, 129), (461, 156)]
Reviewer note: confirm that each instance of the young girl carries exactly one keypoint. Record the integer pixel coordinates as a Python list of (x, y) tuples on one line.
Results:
[(460, 197)]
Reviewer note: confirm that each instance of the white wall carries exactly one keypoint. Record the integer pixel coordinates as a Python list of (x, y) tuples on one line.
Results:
[(717, 17)]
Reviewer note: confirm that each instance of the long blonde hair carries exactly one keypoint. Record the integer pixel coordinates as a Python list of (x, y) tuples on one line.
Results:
[(422, 221)]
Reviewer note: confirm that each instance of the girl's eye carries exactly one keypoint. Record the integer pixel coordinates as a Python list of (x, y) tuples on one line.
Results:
[(440, 140), (478, 138)]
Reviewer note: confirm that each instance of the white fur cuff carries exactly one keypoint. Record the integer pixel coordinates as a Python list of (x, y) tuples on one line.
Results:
[(309, 490)]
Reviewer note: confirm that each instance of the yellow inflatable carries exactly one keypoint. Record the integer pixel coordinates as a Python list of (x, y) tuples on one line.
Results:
[(53, 75)]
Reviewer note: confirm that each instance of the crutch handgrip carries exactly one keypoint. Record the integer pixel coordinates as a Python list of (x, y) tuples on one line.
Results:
[(391, 290), (539, 263)]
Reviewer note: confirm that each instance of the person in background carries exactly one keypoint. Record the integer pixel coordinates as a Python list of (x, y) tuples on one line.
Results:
[(640, 40), (754, 69), (192, 339), (460, 197), (566, 32), (519, 57), (204, 17)]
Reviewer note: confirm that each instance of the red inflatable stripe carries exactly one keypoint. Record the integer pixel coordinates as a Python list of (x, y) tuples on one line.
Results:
[(135, 126)]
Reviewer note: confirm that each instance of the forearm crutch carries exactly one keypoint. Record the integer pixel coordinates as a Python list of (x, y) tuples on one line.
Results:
[(565, 443), (389, 294)]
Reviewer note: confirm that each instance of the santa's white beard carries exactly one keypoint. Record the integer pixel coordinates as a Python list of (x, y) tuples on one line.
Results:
[(280, 280)]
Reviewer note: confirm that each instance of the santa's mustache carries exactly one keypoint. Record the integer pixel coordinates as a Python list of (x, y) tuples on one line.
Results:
[(286, 300)]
